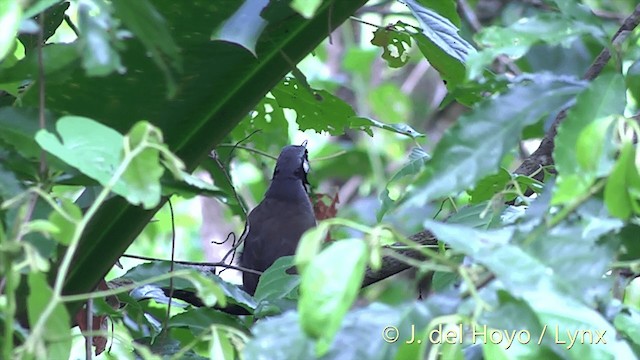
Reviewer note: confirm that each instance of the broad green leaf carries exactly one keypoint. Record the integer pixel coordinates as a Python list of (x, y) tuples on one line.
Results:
[(142, 176), (275, 283), (633, 80), (515, 40), (87, 145), (98, 41), (10, 15), (306, 8), (446, 8), (148, 25), (621, 193), (57, 334), (268, 120), (441, 44), (220, 346), (320, 111), (66, 227), (329, 286), (594, 152), (602, 97), (475, 145), (395, 46), (245, 26), (310, 245)]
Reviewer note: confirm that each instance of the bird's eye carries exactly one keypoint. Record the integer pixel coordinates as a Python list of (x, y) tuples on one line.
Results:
[(305, 165)]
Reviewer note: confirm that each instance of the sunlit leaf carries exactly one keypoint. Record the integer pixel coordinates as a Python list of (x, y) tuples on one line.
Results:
[(329, 285), (10, 14), (602, 97), (306, 8)]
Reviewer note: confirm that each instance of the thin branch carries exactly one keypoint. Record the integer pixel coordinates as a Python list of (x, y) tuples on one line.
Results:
[(196, 263), (173, 258), (88, 339)]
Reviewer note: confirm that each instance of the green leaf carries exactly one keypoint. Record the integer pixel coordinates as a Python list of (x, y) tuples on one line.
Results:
[(87, 145), (98, 41), (446, 8), (57, 335), (621, 193), (594, 152), (329, 286), (441, 32), (66, 228), (628, 322), (475, 145), (395, 46), (142, 176), (148, 25), (10, 15), (320, 111), (602, 97), (306, 8), (245, 26), (632, 80), (275, 283), (515, 40)]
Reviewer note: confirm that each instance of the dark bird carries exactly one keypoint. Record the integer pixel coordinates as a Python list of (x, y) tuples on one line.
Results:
[(274, 227)]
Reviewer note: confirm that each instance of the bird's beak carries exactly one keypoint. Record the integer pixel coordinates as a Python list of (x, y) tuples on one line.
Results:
[(304, 143)]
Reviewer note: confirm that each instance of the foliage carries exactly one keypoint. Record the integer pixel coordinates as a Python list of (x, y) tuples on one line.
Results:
[(110, 108)]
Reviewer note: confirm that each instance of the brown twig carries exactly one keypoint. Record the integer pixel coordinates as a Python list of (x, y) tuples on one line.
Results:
[(543, 156)]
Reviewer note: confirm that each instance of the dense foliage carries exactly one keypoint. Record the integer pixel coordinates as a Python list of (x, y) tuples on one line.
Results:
[(521, 221)]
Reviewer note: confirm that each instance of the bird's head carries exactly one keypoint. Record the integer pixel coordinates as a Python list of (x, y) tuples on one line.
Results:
[(293, 164)]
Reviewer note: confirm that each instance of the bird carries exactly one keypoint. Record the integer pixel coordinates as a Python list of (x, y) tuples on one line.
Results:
[(274, 227)]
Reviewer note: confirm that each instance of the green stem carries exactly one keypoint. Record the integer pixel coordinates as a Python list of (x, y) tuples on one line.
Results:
[(56, 298)]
